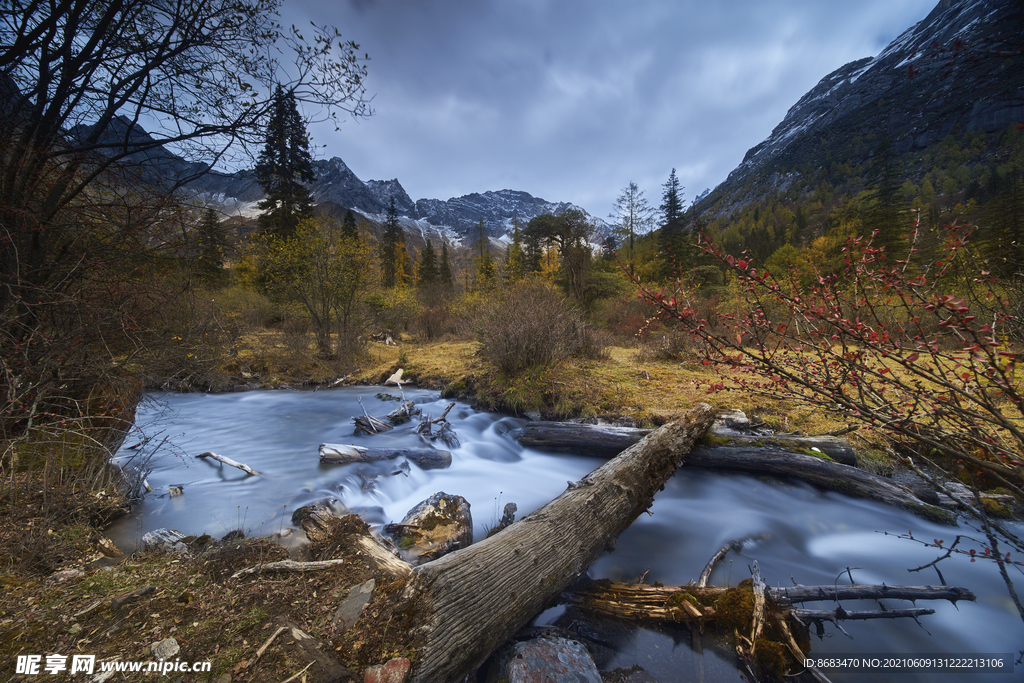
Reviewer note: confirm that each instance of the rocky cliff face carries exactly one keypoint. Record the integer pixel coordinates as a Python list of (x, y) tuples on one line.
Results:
[(960, 69)]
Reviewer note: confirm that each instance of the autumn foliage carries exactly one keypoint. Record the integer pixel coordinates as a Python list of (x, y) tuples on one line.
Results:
[(925, 354)]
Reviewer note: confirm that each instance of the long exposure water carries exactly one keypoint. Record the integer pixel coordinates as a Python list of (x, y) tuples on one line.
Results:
[(805, 535)]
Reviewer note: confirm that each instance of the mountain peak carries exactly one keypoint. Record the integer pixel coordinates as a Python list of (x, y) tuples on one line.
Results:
[(949, 72)]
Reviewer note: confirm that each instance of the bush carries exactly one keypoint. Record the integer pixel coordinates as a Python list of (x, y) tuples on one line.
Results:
[(531, 326)]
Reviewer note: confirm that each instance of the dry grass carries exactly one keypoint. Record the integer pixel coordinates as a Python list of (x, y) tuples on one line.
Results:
[(651, 392)]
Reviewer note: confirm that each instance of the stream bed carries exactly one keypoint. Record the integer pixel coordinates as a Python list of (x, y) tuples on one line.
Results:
[(807, 536)]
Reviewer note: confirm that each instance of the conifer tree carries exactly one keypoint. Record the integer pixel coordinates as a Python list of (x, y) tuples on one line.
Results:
[(428, 272), (210, 245), (633, 215), (391, 244), (671, 239), (485, 271), (515, 258), (445, 270), (283, 166), (349, 228)]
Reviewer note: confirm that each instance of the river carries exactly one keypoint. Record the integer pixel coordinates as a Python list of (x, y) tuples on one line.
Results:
[(809, 536)]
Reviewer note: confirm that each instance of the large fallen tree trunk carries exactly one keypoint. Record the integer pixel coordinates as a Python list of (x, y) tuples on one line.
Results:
[(769, 455), (464, 605), (584, 439), (609, 440), (813, 470)]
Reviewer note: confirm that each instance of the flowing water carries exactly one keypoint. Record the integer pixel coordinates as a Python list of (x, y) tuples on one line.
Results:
[(805, 535)]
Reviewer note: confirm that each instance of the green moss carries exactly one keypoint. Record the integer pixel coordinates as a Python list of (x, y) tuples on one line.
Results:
[(735, 607), (770, 656), (996, 509), (711, 440)]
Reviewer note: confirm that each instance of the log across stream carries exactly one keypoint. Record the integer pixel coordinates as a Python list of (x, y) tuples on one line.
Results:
[(812, 535)]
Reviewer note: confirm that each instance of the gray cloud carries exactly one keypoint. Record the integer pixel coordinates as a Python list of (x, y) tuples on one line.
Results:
[(570, 101)]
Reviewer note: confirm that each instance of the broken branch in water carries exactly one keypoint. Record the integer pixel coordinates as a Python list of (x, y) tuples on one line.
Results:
[(228, 461)]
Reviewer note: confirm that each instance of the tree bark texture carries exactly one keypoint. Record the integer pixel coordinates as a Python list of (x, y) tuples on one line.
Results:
[(469, 602)]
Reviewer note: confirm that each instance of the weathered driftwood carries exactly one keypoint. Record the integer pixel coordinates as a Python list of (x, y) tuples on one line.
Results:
[(402, 413), (609, 440), (644, 603), (288, 566), (801, 594), (351, 535), (343, 454), (605, 441), (823, 473), (228, 461), (368, 424), (466, 604)]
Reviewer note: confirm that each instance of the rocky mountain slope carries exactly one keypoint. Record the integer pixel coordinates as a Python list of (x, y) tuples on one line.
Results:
[(960, 69)]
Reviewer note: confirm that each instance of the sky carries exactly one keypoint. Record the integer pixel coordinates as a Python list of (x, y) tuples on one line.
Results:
[(573, 100)]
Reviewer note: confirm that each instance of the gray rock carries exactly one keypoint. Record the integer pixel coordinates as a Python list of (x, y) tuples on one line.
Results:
[(352, 606), (167, 540), (165, 649)]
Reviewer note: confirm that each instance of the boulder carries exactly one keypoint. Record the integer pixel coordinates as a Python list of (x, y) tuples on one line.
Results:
[(550, 660), (435, 527), (168, 540)]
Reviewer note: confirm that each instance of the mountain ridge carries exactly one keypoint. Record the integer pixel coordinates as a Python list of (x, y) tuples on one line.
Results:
[(958, 69)]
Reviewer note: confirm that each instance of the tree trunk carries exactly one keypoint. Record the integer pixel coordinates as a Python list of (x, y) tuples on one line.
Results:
[(609, 440), (343, 454), (814, 470), (770, 455), (667, 604), (466, 604), (596, 440)]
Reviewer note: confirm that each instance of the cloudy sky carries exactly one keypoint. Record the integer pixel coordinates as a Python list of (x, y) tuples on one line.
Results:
[(572, 100)]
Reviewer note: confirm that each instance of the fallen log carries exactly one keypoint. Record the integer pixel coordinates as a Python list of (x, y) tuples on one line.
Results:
[(668, 604), (344, 454), (826, 474), (583, 439), (609, 440), (228, 461), (461, 607)]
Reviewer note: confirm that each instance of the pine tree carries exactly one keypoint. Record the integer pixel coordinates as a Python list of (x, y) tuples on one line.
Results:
[(515, 258), (671, 239), (210, 245), (428, 273), (349, 228), (283, 166), (390, 245), (633, 215), (485, 271), (445, 271)]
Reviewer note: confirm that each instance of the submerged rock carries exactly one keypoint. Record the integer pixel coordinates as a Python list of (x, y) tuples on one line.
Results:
[(435, 527)]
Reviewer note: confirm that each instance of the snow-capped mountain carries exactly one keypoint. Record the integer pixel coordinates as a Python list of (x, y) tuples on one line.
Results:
[(960, 69), (456, 218)]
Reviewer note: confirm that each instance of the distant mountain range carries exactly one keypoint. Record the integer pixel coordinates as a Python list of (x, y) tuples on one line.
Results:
[(457, 218), (958, 70)]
